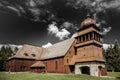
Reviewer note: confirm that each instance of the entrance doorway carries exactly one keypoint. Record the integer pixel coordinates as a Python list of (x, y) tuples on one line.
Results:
[(85, 70), (72, 69)]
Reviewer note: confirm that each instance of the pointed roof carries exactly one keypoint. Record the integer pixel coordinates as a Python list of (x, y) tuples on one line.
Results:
[(38, 64)]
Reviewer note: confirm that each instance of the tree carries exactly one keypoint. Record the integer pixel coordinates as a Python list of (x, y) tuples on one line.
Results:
[(112, 56), (2, 60), (5, 53), (16, 49), (108, 54), (116, 55)]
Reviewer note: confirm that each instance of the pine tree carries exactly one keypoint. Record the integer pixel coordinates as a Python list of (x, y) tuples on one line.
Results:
[(109, 58), (2, 60), (112, 56), (5, 53), (116, 55)]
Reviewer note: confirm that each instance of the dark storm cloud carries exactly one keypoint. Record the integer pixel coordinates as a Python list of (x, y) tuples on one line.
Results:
[(36, 10), (45, 10), (98, 9), (27, 21), (40, 10)]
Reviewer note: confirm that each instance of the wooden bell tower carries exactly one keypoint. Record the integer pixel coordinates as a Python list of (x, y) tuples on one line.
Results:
[(88, 49), (89, 41)]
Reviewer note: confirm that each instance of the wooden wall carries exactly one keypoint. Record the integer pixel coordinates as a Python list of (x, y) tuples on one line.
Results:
[(56, 65), (18, 65), (89, 52), (69, 55)]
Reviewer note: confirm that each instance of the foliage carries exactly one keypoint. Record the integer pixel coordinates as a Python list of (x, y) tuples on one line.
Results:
[(16, 49), (5, 53), (112, 56), (48, 76)]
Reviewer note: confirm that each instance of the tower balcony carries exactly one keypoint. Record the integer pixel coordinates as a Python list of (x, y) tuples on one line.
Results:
[(88, 43)]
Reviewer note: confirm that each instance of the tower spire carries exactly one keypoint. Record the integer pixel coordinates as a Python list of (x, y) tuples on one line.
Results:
[(88, 14), (88, 21)]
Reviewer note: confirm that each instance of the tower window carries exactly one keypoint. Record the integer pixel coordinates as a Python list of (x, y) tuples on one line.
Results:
[(87, 37), (70, 52), (84, 54), (91, 35), (80, 39), (94, 36), (75, 51), (67, 61), (84, 38)]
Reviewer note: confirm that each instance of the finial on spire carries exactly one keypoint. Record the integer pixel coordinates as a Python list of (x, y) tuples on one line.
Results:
[(88, 14)]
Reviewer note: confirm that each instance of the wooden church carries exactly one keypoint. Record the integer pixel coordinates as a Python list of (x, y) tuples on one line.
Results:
[(79, 55)]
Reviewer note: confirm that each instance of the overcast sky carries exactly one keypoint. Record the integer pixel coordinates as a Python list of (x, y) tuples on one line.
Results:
[(39, 22)]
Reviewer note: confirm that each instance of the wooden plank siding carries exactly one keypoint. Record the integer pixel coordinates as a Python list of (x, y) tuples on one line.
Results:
[(18, 65), (69, 55), (56, 65)]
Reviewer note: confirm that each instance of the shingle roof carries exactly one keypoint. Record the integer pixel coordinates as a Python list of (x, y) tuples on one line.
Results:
[(38, 64), (58, 49), (28, 52)]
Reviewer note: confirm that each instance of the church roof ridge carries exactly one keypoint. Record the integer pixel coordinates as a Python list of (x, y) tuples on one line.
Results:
[(56, 50)]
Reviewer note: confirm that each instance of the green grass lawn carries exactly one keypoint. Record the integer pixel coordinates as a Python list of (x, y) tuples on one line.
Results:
[(34, 76), (115, 74)]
